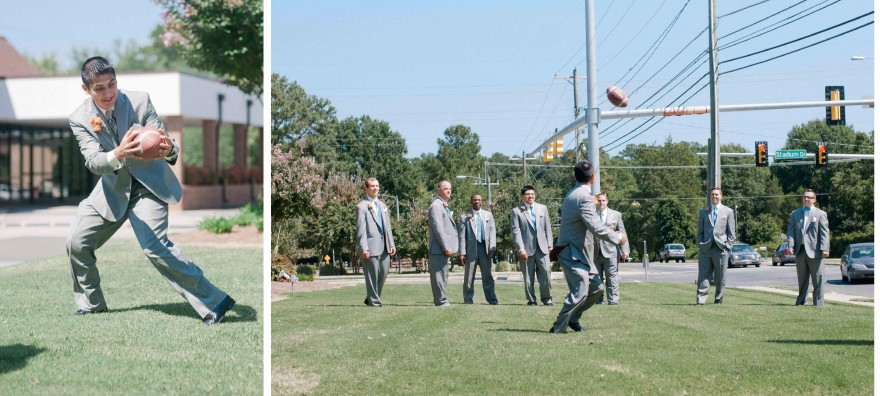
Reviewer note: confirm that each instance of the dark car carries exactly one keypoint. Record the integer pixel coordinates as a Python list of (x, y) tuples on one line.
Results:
[(742, 255), (672, 251), (783, 255), (857, 262)]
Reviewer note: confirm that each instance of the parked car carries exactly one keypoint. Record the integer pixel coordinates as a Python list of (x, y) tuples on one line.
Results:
[(672, 251), (742, 255), (783, 255), (857, 262)]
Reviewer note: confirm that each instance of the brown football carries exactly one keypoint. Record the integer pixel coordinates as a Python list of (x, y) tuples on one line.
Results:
[(149, 139), (616, 96)]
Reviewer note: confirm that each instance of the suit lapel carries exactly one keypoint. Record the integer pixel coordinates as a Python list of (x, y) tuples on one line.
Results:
[(122, 115), (474, 221), (106, 132)]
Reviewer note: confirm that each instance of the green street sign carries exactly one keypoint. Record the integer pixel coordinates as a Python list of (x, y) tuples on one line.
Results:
[(790, 154)]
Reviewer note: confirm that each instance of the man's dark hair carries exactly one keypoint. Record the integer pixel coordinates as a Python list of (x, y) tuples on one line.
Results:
[(94, 67), (583, 171), (809, 190), (716, 188), (525, 188)]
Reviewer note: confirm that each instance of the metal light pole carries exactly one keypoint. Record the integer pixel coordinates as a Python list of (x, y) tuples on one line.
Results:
[(396, 201), (592, 111), (482, 180)]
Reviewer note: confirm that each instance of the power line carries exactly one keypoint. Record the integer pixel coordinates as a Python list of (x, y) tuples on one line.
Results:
[(759, 32), (800, 49), (742, 9)]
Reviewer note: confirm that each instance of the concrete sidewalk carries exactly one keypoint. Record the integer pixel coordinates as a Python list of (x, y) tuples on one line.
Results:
[(31, 233), (829, 296)]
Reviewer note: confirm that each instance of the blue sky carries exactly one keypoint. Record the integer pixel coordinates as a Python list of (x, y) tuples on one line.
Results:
[(424, 66), (57, 26)]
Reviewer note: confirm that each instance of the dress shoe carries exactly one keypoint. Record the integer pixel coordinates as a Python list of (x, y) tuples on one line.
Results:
[(220, 311), (367, 301), (600, 302), (446, 304), (576, 327), (553, 330), (532, 303), (84, 312), (718, 301), (614, 303), (549, 303)]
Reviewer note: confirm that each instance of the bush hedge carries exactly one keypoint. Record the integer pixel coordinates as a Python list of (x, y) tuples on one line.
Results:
[(217, 225)]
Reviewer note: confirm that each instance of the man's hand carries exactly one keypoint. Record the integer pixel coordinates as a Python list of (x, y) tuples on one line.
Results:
[(824, 254), (491, 254), (622, 237), (523, 256), (392, 251), (624, 256), (129, 147), (365, 255), (447, 252), (461, 259)]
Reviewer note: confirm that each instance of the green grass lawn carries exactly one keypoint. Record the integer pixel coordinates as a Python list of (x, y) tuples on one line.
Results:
[(151, 341), (656, 342)]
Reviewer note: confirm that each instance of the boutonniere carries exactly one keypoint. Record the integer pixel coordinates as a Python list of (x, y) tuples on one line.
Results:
[(97, 124), (370, 206), (707, 209), (470, 216), (522, 208), (445, 205)]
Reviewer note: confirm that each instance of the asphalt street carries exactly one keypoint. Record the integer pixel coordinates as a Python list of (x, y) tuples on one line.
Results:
[(765, 275)]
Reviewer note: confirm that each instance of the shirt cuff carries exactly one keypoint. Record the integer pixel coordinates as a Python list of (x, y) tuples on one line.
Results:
[(113, 161)]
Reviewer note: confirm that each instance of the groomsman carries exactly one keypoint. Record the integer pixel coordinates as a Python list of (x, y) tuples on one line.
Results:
[(443, 242), (375, 241), (808, 237), (476, 244), (716, 231), (607, 253), (533, 238)]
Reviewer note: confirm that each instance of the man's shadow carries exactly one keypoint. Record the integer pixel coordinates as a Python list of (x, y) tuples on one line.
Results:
[(238, 313), (15, 356)]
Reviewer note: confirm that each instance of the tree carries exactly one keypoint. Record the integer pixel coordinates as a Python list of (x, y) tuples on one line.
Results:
[(334, 225), (411, 233), (296, 185), (296, 114), (224, 37)]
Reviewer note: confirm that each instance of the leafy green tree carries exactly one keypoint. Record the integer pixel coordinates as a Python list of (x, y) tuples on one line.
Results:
[(297, 182), (675, 223), (333, 226), (296, 114), (224, 37), (411, 233)]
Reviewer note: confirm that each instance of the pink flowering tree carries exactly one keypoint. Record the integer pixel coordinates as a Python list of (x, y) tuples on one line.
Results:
[(224, 37), (297, 185)]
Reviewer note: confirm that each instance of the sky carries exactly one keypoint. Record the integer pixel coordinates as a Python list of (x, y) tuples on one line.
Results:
[(499, 66), (33, 31)]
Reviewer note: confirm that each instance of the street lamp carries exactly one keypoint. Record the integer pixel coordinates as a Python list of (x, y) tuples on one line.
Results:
[(396, 201)]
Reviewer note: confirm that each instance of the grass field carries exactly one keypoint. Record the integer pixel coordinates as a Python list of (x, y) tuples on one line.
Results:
[(656, 342), (151, 341)]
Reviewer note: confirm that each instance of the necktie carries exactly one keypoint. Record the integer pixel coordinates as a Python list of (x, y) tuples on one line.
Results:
[(479, 227), (714, 214), (379, 215), (534, 220), (601, 218), (806, 219)]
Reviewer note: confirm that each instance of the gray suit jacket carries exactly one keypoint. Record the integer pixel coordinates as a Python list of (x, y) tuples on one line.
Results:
[(722, 232), (525, 236), (369, 236), (579, 226), (110, 196), (816, 238), (441, 227), (606, 248), (467, 232)]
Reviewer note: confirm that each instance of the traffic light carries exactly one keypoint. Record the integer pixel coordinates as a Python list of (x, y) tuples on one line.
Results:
[(835, 115), (761, 154), (558, 147), (548, 156), (822, 155)]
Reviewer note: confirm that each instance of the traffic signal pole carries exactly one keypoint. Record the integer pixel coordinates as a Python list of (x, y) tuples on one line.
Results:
[(592, 114)]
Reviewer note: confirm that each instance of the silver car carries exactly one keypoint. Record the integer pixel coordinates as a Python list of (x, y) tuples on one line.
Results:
[(742, 255), (857, 262), (672, 251)]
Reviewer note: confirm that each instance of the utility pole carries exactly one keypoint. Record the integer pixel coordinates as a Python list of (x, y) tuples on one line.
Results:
[(592, 110), (714, 171), (577, 113)]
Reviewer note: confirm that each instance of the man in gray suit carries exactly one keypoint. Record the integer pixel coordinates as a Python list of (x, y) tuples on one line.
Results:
[(375, 241), (443, 242), (476, 246), (579, 226), (533, 238), (132, 188), (716, 231), (809, 239), (607, 253)]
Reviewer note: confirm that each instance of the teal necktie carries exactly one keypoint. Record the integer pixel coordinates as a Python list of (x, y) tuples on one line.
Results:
[(601, 218), (534, 220), (714, 214)]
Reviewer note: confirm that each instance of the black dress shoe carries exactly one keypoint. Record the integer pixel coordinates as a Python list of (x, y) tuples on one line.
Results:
[(718, 301), (367, 301), (553, 330), (532, 303), (84, 312), (576, 326), (220, 311), (549, 303)]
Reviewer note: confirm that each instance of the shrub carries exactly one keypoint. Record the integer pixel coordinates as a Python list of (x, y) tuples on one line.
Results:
[(280, 263), (330, 270), (217, 225), (307, 270), (506, 266), (305, 277)]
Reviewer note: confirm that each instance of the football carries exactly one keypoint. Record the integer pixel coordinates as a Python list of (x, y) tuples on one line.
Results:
[(616, 96), (149, 139)]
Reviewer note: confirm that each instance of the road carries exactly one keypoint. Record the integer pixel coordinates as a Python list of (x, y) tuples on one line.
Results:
[(765, 275)]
